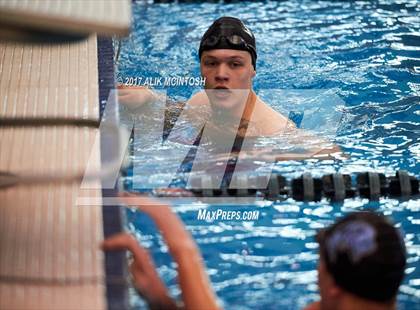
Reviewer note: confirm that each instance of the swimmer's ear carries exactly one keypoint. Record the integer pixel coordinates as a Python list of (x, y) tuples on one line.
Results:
[(335, 291), (254, 72)]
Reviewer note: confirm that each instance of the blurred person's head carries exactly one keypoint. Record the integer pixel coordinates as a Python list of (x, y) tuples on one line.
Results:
[(228, 61), (362, 262)]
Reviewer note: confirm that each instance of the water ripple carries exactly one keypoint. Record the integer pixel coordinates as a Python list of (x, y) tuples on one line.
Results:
[(367, 53)]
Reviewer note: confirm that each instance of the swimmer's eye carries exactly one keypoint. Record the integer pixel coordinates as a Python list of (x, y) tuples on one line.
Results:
[(236, 64), (210, 63)]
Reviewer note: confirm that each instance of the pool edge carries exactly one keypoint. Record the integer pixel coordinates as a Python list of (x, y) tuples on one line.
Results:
[(116, 272)]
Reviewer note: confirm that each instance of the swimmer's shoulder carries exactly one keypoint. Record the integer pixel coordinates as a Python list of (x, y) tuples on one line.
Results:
[(198, 106), (271, 121), (198, 99)]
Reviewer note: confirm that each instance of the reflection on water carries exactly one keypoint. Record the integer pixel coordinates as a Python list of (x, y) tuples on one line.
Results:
[(366, 54)]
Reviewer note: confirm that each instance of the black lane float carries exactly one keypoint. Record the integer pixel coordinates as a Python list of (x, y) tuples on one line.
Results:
[(335, 187)]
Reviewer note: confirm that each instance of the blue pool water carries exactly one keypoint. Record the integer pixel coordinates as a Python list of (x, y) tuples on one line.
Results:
[(368, 55)]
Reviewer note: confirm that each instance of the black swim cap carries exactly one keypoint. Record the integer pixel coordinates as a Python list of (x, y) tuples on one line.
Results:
[(229, 33), (365, 254)]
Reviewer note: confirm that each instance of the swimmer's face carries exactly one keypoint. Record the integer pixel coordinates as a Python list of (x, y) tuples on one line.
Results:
[(226, 70)]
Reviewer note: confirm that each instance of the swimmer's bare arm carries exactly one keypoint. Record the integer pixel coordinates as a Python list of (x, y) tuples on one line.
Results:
[(309, 144), (297, 144), (293, 144), (135, 97), (313, 145), (193, 280), (146, 106)]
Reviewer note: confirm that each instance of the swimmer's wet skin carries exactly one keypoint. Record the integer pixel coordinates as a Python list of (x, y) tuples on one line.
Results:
[(376, 127), (228, 63), (361, 265), (193, 280), (363, 252)]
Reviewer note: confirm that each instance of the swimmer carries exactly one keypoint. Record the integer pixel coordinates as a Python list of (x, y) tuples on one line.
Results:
[(361, 264), (228, 63), (196, 291), (228, 58)]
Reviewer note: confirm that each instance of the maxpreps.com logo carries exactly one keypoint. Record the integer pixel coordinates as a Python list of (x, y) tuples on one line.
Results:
[(224, 215)]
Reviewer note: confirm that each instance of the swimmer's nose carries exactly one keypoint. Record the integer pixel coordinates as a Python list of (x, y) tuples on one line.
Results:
[(222, 73)]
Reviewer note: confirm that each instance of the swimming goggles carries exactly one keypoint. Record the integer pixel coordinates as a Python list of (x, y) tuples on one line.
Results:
[(232, 40)]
